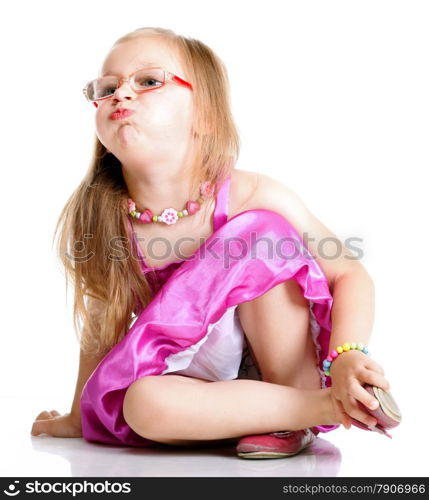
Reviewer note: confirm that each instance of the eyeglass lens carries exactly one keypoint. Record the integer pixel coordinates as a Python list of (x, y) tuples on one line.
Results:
[(144, 79)]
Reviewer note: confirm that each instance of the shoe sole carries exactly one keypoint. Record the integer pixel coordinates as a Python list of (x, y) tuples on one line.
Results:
[(266, 454), (273, 453), (388, 404)]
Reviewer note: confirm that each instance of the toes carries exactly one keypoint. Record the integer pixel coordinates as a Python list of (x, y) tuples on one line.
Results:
[(43, 415)]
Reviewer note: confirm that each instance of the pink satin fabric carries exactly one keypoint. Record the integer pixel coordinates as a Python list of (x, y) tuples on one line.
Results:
[(196, 295)]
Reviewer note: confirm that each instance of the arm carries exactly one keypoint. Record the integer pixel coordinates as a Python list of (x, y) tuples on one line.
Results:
[(352, 290), (352, 321), (87, 364), (69, 424), (350, 284), (352, 309)]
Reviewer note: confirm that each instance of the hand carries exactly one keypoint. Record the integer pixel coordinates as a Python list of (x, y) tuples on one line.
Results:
[(349, 372), (54, 424)]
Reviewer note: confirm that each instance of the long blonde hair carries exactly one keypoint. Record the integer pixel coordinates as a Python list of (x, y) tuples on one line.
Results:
[(95, 215)]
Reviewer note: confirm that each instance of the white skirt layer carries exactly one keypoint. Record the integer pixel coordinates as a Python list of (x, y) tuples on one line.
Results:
[(223, 353)]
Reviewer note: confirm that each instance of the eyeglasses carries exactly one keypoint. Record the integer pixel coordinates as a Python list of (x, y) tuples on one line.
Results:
[(142, 80)]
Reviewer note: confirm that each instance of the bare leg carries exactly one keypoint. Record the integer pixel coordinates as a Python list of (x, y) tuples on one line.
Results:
[(183, 410), (169, 408), (278, 333)]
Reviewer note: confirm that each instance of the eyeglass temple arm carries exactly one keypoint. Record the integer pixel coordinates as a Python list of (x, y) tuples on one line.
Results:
[(179, 80)]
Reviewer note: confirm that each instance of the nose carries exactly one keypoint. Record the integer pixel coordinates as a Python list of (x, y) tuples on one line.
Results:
[(124, 91)]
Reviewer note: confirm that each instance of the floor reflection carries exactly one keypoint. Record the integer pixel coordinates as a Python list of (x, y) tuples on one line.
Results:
[(321, 458)]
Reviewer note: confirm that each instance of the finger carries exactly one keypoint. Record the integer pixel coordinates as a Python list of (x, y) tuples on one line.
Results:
[(362, 416), (374, 378), (41, 427), (372, 365), (354, 410), (43, 415), (342, 414), (55, 413), (362, 395)]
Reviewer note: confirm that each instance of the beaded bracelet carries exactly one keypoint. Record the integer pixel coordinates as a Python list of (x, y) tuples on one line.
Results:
[(339, 350)]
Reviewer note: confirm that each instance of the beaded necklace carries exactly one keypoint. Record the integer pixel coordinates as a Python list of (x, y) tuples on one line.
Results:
[(170, 215)]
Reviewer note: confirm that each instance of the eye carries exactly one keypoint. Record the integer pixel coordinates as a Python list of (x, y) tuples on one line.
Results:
[(107, 91), (148, 82), (103, 87), (150, 78)]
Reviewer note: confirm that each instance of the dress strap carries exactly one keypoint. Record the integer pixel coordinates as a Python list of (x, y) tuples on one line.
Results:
[(220, 215)]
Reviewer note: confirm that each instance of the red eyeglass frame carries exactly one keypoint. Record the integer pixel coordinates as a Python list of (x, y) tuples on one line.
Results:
[(168, 77)]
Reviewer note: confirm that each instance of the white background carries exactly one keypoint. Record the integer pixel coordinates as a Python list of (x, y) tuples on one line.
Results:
[(330, 97)]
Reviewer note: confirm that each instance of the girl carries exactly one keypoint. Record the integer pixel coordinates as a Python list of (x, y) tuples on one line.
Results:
[(220, 293)]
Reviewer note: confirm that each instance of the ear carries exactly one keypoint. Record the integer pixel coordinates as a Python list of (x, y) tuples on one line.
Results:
[(95, 104)]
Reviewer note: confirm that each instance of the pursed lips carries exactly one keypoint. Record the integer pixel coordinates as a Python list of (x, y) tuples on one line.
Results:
[(121, 113)]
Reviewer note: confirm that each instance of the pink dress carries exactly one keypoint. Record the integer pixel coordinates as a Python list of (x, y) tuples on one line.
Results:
[(223, 353), (191, 326)]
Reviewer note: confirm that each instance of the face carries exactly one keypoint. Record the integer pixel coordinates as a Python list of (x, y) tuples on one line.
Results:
[(161, 126)]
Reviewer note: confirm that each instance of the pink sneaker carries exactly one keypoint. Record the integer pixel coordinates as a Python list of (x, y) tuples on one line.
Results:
[(387, 413), (276, 444)]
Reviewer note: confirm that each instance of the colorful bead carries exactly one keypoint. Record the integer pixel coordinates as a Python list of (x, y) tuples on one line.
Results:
[(192, 207), (206, 189), (327, 362), (170, 215), (146, 216), (131, 205)]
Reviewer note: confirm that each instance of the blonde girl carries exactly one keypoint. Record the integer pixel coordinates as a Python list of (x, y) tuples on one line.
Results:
[(202, 314)]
